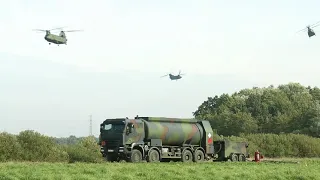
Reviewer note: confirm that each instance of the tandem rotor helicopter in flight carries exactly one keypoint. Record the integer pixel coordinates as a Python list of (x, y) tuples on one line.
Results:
[(174, 77), (54, 38), (310, 30)]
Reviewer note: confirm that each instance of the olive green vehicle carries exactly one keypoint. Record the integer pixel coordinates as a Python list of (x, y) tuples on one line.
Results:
[(161, 139), (56, 39), (228, 150)]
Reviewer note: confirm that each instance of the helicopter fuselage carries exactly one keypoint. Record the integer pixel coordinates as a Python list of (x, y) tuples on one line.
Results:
[(173, 77), (52, 38), (311, 33)]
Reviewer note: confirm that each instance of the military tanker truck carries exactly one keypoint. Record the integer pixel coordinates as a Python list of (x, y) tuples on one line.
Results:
[(157, 139)]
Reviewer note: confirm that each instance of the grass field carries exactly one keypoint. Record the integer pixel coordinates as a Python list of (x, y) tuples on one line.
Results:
[(285, 169)]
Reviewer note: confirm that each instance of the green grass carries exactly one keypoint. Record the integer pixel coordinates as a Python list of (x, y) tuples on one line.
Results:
[(286, 169)]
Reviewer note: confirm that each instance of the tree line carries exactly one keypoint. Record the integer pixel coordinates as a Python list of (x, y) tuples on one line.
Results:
[(289, 108), (71, 140)]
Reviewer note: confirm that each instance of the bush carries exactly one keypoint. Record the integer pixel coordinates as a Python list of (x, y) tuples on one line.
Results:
[(37, 147), (10, 149), (283, 145), (86, 150), (32, 146)]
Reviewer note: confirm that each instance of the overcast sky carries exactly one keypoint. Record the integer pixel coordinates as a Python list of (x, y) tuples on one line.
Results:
[(113, 68)]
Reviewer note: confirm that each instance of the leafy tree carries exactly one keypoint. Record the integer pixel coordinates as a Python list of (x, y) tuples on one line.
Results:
[(289, 108)]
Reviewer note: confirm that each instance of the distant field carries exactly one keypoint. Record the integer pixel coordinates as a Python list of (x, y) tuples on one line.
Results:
[(275, 169)]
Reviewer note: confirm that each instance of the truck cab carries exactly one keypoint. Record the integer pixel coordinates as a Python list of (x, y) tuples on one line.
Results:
[(118, 137)]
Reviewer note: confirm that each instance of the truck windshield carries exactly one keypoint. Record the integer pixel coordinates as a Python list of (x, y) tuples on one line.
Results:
[(113, 127)]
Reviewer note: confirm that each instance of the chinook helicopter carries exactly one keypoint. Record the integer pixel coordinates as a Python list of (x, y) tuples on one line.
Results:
[(310, 30), (56, 39), (174, 77)]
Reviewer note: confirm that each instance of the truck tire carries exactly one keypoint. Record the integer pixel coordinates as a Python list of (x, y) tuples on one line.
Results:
[(233, 157), (242, 157), (136, 156), (186, 156), (198, 156), (153, 156)]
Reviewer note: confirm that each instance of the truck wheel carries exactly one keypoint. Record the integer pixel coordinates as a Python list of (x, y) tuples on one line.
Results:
[(187, 156), (233, 157), (198, 156), (242, 157), (136, 156), (153, 156)]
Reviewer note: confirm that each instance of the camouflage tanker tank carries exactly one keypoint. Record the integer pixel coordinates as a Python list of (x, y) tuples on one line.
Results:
[(174, 132)]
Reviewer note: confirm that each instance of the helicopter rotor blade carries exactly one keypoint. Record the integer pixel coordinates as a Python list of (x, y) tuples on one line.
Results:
[(315, 24), (304, 29), (39, 30), (57, 28), (164, 75), (310, 26), (72, 30)]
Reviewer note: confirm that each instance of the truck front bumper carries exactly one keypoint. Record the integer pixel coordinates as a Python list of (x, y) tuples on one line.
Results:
[(105, 150)]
